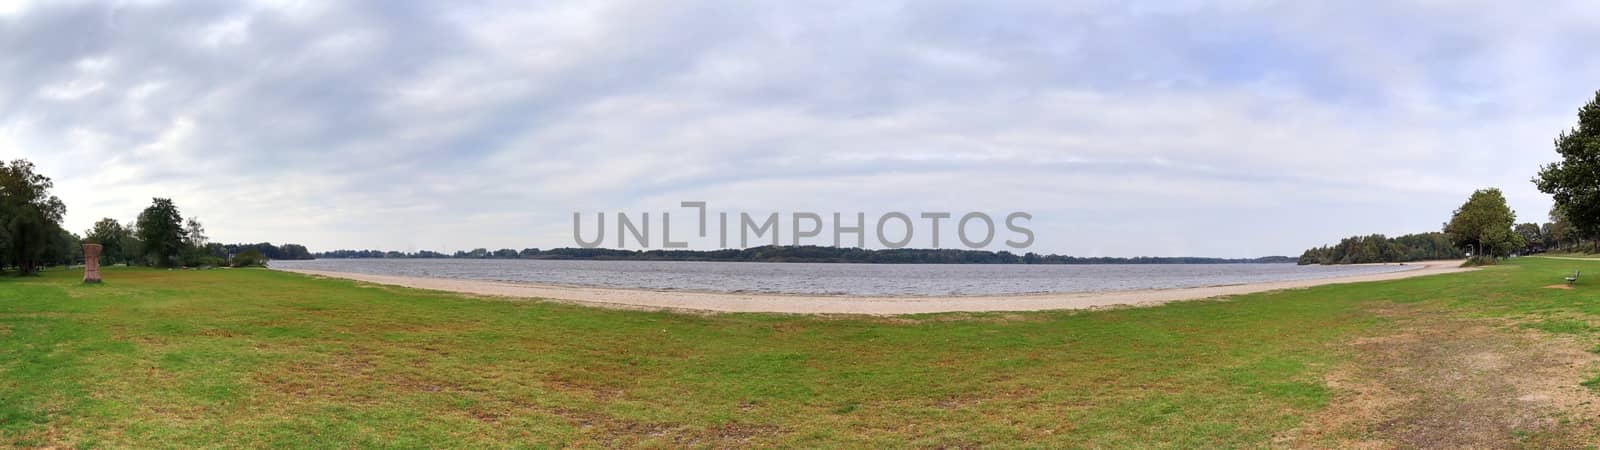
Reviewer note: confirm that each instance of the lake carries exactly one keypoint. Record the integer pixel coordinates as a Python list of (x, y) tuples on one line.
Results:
[(840, 279)]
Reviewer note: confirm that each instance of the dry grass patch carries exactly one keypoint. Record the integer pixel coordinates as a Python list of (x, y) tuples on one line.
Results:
[(1430, 379)]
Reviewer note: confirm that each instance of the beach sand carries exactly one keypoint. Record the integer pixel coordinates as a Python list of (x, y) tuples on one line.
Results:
[(811, 304)]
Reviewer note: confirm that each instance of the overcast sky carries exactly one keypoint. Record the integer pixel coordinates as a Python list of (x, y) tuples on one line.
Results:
[(1227, 128)]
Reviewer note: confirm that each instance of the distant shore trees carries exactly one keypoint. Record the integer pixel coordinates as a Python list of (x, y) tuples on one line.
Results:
[(248, 258), (263, 251), (1378, 248), (1574, 181)]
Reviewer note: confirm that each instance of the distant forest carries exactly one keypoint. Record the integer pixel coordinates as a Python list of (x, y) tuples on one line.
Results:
[(1559, 234), (285, 251), (1380, 249), (808, 253)]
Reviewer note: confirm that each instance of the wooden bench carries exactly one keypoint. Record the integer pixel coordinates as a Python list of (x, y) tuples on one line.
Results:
[(1572, 279)]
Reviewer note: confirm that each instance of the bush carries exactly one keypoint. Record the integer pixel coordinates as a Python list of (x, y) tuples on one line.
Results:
[(249, 258), (199, 259), (1479, 261)]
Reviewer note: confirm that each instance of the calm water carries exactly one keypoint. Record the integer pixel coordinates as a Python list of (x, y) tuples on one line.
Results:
[(839, 279)]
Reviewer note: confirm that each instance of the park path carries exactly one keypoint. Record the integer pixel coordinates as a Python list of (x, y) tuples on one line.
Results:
[(1570, 258)]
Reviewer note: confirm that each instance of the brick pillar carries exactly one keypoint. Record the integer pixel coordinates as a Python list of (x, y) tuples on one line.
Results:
[(91, 263)]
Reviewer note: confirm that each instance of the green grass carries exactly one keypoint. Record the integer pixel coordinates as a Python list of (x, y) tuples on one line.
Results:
[(1560, 326), (256, 358), (1592, 383), (1569, 255)]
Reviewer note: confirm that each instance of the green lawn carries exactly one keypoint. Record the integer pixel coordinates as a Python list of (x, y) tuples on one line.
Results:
[(256, 358)]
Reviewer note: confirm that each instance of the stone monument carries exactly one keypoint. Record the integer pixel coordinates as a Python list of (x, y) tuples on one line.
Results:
[(91, 263)]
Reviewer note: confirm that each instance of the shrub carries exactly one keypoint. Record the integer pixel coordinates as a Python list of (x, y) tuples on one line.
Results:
[(249, 258)]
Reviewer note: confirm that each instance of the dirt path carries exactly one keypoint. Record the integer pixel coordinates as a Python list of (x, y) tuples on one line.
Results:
[(1569, 258), (1429, 380), (803, 304)]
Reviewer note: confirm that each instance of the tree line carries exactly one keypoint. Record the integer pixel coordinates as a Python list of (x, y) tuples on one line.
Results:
[(1557, 235), (1481, 228), (803, 253), (1378, 248), (32, 238), (1486, 228), (161, 237)]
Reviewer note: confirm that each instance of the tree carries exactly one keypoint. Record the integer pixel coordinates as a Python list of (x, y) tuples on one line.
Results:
[(216, 250), (161, 230), (1532, 237), (295, 251), (194, 251), (1483, 224), (194, 233), (109, 234), (65, 249), (1559, 231), (1574, 181), (132, 246), (30, 217)]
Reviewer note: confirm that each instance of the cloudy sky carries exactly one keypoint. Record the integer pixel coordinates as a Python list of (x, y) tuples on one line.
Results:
[(1225, 128)]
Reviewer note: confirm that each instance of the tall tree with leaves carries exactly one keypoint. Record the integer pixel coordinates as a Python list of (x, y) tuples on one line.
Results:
[(1532, 237), (161, 230), (132, 247), (109, 234), (30, 217), (194, 252), (195, 233), (1574, 181), (1559, 231), (64, 248), (1484, 224)]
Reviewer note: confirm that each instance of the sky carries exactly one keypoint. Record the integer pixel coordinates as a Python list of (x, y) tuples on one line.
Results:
[(1177, 128)]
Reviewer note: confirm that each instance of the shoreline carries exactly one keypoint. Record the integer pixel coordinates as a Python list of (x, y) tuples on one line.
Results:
[(641, 299)]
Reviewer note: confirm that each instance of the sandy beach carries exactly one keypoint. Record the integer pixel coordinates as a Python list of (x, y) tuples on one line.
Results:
[(805, 304)]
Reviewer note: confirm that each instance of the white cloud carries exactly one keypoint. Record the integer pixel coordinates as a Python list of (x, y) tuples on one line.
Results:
[(94, 65), (227, 32), (72, 90), (13, 7)]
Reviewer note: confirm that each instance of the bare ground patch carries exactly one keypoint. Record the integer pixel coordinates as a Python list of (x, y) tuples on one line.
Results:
[(1430, 380)]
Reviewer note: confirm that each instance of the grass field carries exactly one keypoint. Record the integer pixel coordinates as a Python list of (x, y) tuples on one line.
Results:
[(256, 358)]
